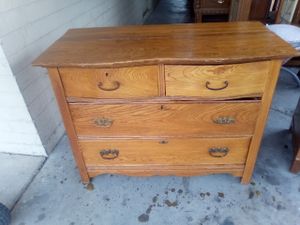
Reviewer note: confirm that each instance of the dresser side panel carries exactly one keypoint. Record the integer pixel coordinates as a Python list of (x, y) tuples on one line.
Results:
[(64, 109), (261, 121)]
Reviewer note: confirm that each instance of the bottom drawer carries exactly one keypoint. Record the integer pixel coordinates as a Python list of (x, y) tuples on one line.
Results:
[(171, 152)]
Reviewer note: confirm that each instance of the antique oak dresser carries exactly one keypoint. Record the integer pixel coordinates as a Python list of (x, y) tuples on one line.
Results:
[(184, 99)]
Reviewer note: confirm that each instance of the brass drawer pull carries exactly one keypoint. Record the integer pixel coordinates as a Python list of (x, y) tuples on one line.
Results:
[(115, 83), (218, 152), (221, 1), (103, 122), (207, 85), (109, 153), (224, 120)]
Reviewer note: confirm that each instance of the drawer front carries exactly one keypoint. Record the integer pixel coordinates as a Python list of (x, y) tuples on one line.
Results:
[(110, 83), (193, 151), (216, 4), (137, 120), (217, 82)]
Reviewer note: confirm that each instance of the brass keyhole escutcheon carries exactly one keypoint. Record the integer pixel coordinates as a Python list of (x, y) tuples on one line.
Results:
[(164, 107)]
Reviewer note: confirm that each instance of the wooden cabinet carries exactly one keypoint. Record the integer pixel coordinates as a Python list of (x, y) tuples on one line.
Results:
[(211, 8), (186, 99), (259, 10)]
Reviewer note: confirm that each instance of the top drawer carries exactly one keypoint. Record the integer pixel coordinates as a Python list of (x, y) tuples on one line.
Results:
[(110, 83), (217, 82)]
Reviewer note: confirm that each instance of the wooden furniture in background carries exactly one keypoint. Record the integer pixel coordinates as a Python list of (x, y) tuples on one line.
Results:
[(295, 168), (260, 10), (236, 10), (214, 8), (296, 17), (266, 11), (186, 99)]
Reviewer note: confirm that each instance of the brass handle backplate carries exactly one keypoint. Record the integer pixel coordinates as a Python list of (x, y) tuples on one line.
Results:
[(116, 85), (103, 122), (224, 120), (109, 153), (218, 152), (207, 85)]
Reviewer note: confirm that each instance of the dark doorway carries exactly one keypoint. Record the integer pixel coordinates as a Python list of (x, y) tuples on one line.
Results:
[(172, 11)]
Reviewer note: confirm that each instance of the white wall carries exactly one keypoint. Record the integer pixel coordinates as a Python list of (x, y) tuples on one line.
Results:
[(18, 133), (28, 27)]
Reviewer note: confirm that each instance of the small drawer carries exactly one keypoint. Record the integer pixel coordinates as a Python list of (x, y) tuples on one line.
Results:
[(135, 120), (217, 82), (193, 151), (110, 83), (216, 4)]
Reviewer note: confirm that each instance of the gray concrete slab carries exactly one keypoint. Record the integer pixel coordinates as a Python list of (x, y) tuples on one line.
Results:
[(56, 195), (287, 94), (16, 173)]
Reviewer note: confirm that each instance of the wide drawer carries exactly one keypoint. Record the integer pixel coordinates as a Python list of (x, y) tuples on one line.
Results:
[(193, 151), (195, 119), (217, 82), (110, 83)]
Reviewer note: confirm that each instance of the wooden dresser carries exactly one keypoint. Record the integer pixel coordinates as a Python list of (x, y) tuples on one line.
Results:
[(189, 99)]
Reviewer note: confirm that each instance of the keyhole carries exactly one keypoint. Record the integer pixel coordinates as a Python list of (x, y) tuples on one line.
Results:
[(161, 107), (106, 74)]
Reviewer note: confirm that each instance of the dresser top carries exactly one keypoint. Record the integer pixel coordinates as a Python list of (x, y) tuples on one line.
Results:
[(206, 43)]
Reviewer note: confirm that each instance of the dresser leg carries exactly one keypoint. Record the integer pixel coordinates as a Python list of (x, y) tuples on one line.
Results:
[(245, 180), (89, 186)]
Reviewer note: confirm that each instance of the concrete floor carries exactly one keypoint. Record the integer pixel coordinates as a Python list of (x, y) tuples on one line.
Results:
[(16, 173), (56, 195)]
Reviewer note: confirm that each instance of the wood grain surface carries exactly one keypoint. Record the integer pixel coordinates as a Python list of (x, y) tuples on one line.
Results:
[(64, 109), (233, 81), (161, 170), (261, 121), (165, 152), (161, 99), (213, 43), (137, 120), (114, 83)]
